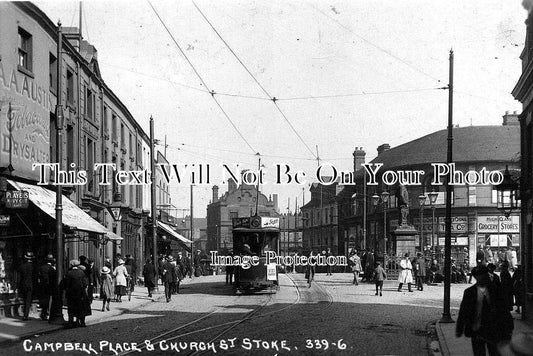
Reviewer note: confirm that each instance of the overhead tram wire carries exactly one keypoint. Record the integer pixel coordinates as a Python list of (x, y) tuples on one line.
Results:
[(360, 94), (272, 98), (375, 45), (200, 77)]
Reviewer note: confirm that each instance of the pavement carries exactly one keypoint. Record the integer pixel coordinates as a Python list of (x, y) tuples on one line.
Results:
[(452, 345), (14, 329)]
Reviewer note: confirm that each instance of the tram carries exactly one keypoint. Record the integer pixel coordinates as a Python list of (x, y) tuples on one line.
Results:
[(255, 236)]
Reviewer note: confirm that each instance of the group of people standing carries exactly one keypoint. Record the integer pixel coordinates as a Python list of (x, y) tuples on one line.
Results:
[(77, 287), (171, 271)]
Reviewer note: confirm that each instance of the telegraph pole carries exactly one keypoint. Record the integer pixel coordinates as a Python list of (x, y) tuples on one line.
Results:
[(56, 309), (153, 196), (446, 316), (192, 223)]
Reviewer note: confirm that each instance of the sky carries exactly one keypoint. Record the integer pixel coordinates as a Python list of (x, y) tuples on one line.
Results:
[(345, 74)]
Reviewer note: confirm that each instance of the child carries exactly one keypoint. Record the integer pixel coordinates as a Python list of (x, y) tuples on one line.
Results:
[(379, 276), (106, 293)]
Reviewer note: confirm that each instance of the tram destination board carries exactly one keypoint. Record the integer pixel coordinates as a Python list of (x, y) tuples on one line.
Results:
[(17, 199)]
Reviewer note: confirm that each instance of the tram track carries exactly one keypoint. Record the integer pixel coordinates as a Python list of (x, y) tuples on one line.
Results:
[(168, 336)]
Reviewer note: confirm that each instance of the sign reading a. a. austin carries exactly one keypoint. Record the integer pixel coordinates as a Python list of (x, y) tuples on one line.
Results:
[(25, 105)]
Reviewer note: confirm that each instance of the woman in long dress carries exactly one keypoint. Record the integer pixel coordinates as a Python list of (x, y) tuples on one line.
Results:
[(120, 273), (406, 274)]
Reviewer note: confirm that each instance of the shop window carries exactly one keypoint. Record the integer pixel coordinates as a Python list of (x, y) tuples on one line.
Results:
[(53, 73), (25, 51)]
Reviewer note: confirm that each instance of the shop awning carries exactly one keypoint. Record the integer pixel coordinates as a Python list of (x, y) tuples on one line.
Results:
[(73, 216), (173, 233), (113, 237)]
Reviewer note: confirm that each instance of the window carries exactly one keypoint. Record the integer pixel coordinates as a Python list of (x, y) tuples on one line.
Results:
[(233, 215), (114, 126), (104, 120), (122, 134), (25, 50), (70, 145), (53, 73), (70, 87), (131, 145), (89, 103), (89, 163)]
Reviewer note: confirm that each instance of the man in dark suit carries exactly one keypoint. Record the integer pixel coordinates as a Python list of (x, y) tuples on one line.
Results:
[(483, 315), (26, 282), (46, 275), (168, 277)]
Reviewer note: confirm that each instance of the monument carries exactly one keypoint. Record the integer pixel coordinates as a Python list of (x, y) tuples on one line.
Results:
[(404, 233)]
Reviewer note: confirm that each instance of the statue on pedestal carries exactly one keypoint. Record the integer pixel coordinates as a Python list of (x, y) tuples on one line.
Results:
[(403, 203)]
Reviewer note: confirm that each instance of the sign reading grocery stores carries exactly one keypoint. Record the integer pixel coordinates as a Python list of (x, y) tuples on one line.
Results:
[(498, 224), (25, 105)]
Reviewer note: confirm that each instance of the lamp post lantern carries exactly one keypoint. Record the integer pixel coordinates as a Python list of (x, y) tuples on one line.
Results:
[(507, 194)]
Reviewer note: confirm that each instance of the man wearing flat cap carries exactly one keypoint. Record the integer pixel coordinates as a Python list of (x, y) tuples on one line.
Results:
[(168, 276), (47, 279), (483, 315)]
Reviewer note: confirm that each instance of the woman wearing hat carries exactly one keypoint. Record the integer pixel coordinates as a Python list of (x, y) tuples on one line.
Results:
[(120, 273), (106, 291)]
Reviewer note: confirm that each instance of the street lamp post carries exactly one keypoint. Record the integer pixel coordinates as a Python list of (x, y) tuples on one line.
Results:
[(385, 200), (421, 202), (432, 199), (375, 202)]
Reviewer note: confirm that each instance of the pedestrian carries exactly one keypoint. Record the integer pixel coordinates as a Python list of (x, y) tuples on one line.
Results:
[(86, 263), (149, 276), (107, 263), (46, 277), (379, 276), (363, 264), (310, 269), (106, 289), (369, 268), (355, 262), (130, 281), (518, 285), (328, 267), (507, 284), (433, 269), (198, 264), (168, 277), (494, 278), (420, 271), (406, 275), (187, 264), (26, 282), (229, 271), (120, 273), (75, 286), (483, 315)]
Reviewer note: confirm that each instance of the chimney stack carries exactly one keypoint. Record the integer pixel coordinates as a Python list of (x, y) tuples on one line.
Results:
[(215, 193), (510, 119), (382, 148), (232, 185), (358, 158)]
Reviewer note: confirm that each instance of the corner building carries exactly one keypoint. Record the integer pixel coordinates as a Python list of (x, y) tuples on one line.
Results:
[(476, 221)]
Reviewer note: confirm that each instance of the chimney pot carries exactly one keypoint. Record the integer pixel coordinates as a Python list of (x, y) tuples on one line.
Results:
[(382, 148)]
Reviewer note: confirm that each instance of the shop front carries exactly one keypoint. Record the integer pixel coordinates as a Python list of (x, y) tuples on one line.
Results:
[(499, 238), (29, 225)]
